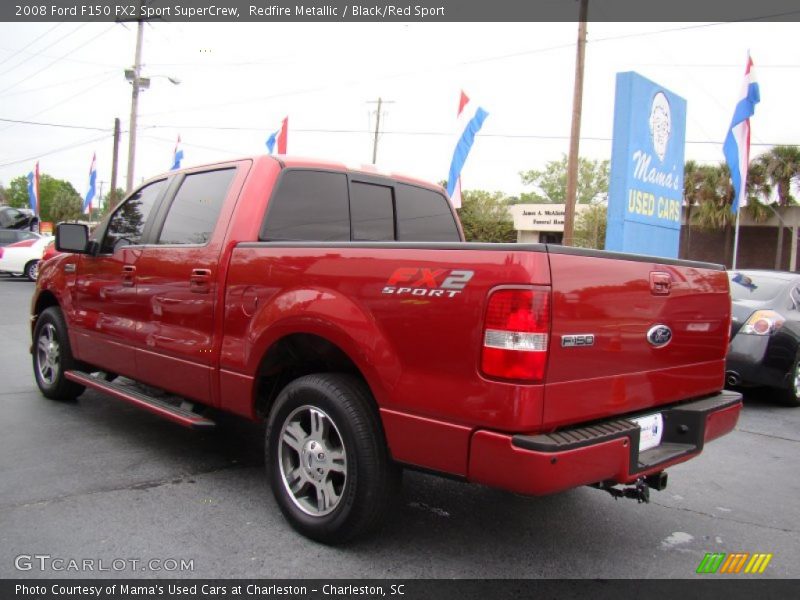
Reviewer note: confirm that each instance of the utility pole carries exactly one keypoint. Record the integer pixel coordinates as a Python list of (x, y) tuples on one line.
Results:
[(99, 196), (114, 167), (137, 83), (575, 135), (380, 103)]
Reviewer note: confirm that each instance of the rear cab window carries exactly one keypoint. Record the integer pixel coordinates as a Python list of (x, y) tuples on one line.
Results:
[(329, 206), (424, 216)]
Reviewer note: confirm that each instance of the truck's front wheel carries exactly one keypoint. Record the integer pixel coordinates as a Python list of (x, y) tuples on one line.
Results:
[(52, 356), (327, 459)]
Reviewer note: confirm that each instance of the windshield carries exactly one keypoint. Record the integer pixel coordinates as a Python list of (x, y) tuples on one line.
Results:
[(755, 287)]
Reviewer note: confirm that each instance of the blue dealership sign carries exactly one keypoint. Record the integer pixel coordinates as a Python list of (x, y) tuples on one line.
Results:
[(646, 182)]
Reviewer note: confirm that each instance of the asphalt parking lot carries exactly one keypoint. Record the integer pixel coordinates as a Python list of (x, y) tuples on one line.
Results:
[(100, 480)]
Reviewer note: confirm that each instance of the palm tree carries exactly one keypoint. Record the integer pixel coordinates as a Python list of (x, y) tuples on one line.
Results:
[(781, 165), (692, 179), (712, 192), (715, 194)]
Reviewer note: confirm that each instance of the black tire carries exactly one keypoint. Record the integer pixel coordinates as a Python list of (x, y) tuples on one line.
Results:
[(791, 396), (333, 480), (32, 270), (52, 357)]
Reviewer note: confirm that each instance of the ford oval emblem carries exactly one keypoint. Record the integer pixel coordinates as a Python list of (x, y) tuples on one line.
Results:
[(659, 335)]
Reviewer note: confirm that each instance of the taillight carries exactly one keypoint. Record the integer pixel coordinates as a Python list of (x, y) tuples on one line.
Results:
[(1, 253), (516, 334), (762, 322)]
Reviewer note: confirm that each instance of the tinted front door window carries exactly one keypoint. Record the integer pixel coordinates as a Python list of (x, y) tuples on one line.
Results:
[(127, 225)]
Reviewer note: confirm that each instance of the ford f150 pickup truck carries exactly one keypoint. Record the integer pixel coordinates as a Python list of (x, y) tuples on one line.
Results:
[(343, 307)]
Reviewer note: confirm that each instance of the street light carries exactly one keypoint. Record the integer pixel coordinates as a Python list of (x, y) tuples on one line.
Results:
[(138, 83)]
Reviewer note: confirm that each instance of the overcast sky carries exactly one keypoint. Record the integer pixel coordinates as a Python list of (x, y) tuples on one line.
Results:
[(239, 80)]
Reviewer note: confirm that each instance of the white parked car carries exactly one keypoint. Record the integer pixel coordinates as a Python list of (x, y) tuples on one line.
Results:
[(22, 258)]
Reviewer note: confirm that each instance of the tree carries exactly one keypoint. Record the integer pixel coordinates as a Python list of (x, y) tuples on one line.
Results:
[(590, 227), (66, 206), (50, 188), (551, 182), (781, 166), (692, 184), (485, 217), (110, 201), (715, 193), (17, 193)]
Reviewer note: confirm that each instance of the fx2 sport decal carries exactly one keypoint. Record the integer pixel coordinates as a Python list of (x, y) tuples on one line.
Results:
[(431, 283)]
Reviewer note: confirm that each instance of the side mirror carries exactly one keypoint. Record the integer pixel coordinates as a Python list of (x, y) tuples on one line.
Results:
[(72, 237)]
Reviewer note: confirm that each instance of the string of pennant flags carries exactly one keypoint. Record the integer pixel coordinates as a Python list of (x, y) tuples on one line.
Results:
[(470, 118)]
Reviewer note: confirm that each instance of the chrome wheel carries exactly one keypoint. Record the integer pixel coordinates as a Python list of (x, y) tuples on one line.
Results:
[(796, 382), (32, 272), (48, 354), (312, 460), (52, 357)]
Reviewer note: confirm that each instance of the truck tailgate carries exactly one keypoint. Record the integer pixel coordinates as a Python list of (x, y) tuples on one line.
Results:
[(630, 333)]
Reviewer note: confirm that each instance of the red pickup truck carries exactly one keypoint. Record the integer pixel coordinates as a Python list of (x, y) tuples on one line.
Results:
[(343, 307)]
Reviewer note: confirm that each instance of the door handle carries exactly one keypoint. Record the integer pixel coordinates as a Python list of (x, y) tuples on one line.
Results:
[(128, 275), (200, 281)]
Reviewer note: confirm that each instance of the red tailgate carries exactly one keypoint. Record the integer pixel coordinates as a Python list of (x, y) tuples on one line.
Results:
[(630, 307)]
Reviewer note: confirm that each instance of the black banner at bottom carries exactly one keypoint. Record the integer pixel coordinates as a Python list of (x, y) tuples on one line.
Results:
[(400, 589)]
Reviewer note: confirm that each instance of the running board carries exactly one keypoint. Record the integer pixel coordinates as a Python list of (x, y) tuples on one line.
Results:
[(176, 414)]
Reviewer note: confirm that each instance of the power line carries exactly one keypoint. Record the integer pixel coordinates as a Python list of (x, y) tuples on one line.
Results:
[(29, 44), (190, 145), (63, 101), (65, 59), (760, 66), (511, 136), (532, 136), (54, 125), (50, 45), (311, 90), (55, 151), (48, 65), (59, 84)]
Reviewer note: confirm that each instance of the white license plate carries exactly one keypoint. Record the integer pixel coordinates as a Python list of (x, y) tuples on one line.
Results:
[(651, 426)]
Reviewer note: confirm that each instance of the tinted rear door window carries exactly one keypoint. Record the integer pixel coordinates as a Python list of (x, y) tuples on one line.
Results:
[(424, 216), (372, 212), (308, 206), (193, 214)]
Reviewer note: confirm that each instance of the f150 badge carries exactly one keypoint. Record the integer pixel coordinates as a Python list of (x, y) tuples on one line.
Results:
[(431, 283), (577, 340)]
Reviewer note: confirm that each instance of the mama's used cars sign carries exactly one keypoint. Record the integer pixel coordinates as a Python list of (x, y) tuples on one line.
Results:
[(646, 183)]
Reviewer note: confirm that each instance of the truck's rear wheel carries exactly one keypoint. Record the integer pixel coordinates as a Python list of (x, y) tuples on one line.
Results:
[(52, 356), (327, 458)]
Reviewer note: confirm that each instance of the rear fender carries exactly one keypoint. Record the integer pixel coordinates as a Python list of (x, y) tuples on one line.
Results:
[(333, 317)]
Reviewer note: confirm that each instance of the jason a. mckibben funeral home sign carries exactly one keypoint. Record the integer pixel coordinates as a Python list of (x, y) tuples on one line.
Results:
[(646, 183)]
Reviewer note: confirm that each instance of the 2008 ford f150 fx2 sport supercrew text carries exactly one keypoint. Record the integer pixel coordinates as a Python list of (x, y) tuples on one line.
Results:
[(343, 307)]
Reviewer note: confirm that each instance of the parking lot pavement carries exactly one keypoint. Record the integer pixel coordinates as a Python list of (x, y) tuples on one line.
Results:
[(102, 481)]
